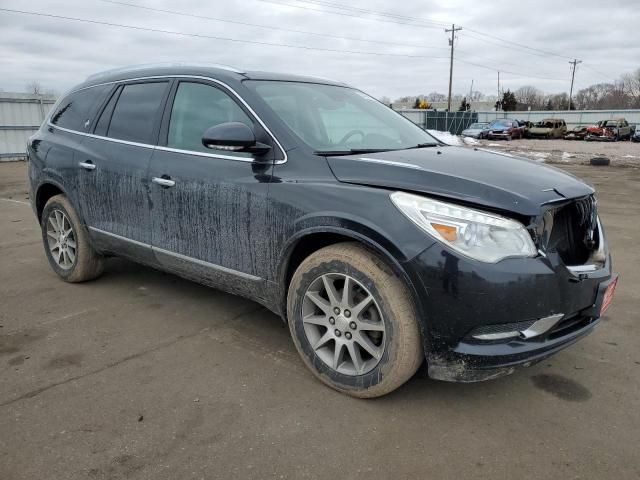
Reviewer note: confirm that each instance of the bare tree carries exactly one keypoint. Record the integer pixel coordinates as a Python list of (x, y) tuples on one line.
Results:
[(529, 96), (34, 87), (631, 83), (437, 97)]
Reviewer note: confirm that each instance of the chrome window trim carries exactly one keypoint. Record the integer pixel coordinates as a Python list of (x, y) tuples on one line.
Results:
[(169, 149), (186, 258)]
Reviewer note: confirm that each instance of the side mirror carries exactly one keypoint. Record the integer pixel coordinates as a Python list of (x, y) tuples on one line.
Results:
[(234, 137)]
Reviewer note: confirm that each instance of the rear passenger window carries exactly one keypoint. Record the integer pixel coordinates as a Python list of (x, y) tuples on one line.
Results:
[(77, 109), (136, 111), (196, 108)]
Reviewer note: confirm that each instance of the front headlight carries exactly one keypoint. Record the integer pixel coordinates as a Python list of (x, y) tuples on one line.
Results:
[(483, 236)]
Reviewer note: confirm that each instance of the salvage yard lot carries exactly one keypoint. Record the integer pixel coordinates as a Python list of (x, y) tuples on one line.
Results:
[(625, 153), (141, 374)]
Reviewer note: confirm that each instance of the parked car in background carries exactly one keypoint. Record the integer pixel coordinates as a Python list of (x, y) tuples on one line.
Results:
[(476, 130), (379, 246), (610, 131), (504, 129), (525, 126), (549, 128), (577, 133), (636, 135)]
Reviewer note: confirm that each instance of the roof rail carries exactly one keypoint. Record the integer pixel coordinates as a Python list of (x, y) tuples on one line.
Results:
[(162, 64)]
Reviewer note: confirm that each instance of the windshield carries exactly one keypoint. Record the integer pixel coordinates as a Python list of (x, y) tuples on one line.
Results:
[(501, 123), (611, 123), (331, 118), (477, 126)]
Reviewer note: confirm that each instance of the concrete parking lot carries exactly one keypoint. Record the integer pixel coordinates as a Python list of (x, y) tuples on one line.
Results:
[(142, 375)]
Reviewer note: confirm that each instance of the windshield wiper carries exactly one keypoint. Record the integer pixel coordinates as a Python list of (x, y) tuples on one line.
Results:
[(352, 151), (423, 145)]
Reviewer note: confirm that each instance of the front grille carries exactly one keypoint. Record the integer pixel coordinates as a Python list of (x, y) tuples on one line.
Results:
[(574, 231)]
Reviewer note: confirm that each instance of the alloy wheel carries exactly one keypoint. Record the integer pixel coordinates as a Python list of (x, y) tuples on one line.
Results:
[(61, 239), (343, 324)]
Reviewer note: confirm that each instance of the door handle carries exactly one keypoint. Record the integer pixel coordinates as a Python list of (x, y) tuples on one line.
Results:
[(165, 182), (88, 165)]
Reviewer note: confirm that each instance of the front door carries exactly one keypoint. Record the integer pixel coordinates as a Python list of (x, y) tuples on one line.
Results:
[(208, 207)]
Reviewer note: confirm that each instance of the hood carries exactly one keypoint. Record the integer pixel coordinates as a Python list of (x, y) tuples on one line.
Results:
[(481, 177)]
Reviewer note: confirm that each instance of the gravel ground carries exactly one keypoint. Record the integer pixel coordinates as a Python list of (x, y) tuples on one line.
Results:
[(621, 154), (143, 375)]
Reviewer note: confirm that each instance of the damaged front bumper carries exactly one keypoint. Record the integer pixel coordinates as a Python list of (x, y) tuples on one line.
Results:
[(483, 321)]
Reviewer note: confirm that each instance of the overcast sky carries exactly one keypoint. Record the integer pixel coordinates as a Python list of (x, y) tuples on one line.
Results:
[(60, 53)]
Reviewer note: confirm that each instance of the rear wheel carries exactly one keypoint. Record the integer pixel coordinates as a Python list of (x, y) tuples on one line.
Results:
[(353, 321), (66, 242)]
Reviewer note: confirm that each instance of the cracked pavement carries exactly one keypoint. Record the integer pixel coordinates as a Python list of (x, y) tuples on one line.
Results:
[(143, 375)]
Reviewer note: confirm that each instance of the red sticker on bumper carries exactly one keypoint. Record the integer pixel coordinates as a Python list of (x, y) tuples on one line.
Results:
[(608, 297)]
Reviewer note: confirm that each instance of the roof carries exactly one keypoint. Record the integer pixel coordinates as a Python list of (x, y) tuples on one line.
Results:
[(222, 72)]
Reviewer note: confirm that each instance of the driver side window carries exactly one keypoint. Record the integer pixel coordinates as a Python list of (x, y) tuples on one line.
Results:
[(196, 108)]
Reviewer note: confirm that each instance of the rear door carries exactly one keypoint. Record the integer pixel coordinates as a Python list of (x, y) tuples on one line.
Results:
[(115, 159), (209, 207)]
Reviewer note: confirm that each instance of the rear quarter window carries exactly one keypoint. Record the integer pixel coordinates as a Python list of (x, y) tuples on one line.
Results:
[(77, 109)]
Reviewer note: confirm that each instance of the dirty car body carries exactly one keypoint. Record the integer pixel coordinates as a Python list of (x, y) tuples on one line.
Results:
[(244, 221)]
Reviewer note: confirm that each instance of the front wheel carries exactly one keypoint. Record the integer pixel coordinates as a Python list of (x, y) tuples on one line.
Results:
[(353, 321), (66, 242)]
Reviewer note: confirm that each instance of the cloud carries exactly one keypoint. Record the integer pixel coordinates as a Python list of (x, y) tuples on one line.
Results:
[(60, 53)]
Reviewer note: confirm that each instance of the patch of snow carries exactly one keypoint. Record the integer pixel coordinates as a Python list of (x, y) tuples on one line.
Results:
[(470, 141), (540, 154), (495, 145), (630, 156), (566, 156), (446, 137)]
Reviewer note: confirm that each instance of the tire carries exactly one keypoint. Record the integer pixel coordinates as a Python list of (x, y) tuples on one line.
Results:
[(399, 346), (600, 161), (86, 264)]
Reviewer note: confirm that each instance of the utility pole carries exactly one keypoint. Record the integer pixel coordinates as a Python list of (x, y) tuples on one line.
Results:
[(573, 74), (471, 90), (498, 102), (453, 31)]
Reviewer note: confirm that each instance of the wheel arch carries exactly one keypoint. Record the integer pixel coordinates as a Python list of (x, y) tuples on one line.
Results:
[(44, 192), (308, 241)]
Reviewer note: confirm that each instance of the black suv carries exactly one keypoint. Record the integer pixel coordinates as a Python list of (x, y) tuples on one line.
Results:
[(376, 243)]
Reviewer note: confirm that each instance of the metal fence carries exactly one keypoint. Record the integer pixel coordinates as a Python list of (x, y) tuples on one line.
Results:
[(453, 122), (20, 117)]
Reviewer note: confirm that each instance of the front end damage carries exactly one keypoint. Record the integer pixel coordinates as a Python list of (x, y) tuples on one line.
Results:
[(516, 313)]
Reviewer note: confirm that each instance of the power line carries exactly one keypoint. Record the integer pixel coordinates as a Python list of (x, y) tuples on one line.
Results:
[(479, 65), (372, 12), (214, 37), (416, 22), (268, 27), (521, 45), (253, 42), (345, 14)]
